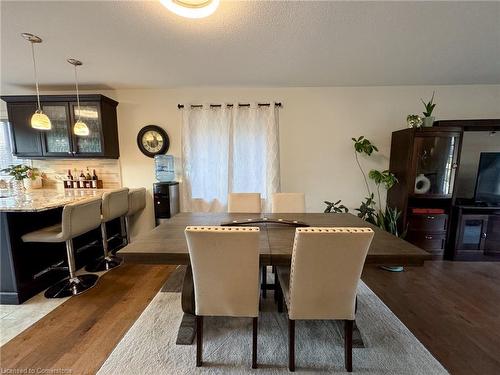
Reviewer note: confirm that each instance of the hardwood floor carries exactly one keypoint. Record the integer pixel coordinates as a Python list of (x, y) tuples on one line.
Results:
[(81, 333), (453, 308)]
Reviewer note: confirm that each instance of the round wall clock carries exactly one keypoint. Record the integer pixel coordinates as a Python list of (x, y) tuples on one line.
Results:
[(153, 140)]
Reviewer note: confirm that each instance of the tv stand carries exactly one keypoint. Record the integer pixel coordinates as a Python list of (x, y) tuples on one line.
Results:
[(474, 232)]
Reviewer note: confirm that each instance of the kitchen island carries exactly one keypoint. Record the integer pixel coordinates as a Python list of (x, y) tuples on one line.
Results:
[(29, 268)]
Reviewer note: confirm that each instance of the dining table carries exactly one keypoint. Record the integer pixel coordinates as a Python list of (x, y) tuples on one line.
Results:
[(166, 244)]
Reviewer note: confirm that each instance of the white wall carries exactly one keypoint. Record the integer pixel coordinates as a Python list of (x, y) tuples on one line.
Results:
[(316, 126)]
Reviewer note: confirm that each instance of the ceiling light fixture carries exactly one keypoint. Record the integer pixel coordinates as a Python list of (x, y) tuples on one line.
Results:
[(39, 120), (80, 128), (191, 8)]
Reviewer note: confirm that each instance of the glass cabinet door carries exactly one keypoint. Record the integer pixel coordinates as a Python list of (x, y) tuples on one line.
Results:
[(90, 114), (56, 141), (436, 158)]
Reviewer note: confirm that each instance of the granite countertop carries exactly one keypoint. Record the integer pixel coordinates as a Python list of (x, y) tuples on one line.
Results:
[(43, 199)]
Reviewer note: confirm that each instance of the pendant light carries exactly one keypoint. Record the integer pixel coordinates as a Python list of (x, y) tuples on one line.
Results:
[(80, 128), (39, 120), (191, 8)]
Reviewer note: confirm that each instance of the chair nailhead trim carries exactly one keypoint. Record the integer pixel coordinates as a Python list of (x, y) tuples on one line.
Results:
[(221, 229), (333, 230)]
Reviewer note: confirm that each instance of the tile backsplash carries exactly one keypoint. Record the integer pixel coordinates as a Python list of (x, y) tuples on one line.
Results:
[(108, 170)]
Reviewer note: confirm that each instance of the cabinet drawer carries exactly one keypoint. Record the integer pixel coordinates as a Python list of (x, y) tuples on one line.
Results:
[(428, 222), (427, 241)]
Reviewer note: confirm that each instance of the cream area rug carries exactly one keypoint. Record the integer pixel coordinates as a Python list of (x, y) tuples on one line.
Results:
[(149, 346)]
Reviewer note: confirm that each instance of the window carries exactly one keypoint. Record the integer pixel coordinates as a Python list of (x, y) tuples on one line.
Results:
[(6, 157), (228, 149)]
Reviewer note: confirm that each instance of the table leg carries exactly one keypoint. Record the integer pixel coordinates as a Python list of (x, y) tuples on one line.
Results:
[(187, 328)]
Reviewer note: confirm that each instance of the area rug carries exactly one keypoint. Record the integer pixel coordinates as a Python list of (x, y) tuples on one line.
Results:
[(149, 346)]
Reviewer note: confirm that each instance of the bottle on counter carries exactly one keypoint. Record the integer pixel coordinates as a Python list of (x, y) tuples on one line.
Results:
[(94, 180), (87, 175), (81, 180), (69, 180)]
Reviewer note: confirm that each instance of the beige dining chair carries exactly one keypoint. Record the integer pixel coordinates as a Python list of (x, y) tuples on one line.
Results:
[(222, 286), (77, 219), (288, 203), (244, 203), (322, 281)]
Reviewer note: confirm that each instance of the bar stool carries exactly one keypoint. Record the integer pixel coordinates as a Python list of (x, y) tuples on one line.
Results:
[(136, 203), (114, 205), (77, 218)]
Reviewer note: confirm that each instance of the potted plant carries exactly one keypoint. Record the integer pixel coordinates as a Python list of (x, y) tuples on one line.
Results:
[(19, 173), (429, 107)]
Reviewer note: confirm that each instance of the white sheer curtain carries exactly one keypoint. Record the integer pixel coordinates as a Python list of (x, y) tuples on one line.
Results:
[(228, 149)]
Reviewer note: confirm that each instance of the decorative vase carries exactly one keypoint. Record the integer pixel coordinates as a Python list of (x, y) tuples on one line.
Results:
[(422, 184), (428, 121), (31, 184), (18, 186)]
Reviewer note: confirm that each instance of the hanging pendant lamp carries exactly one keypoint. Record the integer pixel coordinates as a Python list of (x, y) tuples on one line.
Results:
[(39, 120), (80, 128), (191, 8)]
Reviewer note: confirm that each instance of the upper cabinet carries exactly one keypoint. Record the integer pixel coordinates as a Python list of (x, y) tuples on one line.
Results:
[(97, 111)]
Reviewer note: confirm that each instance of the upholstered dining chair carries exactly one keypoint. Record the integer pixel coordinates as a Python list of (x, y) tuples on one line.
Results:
[(288, 203), (244, 203), (222, 286), (322, 281)]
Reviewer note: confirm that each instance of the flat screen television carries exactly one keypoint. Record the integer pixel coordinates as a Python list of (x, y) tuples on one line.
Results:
[(488, 179)]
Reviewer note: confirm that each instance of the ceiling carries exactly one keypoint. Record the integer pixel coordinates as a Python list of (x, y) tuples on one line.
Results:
[(131, 44)]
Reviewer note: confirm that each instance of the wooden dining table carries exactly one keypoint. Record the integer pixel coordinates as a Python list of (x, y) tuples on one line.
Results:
[(166, 244)]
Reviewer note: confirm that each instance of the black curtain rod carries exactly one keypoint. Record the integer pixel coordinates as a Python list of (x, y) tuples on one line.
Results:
[(229, 105)]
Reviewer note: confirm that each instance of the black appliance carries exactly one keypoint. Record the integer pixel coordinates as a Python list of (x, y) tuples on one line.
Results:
[(488, 179), (166, 200)]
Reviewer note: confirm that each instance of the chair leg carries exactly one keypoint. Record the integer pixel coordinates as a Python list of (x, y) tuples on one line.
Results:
[(109, 261), (75, 284), (279, 294), (291, 344), (199, 341), (127, 228), (348, 325), (254, 342), (264, 281)]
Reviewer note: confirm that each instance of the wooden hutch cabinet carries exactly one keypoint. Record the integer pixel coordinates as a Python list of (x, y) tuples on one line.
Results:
[(425, 162), (97, 111)]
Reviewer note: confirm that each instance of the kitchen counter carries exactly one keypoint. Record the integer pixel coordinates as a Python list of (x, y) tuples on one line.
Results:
[(43, 199)]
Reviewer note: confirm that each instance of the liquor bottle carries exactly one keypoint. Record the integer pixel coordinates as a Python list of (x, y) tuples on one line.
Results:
[(88, 176), (82, 176), (94, 180), (67, 181)]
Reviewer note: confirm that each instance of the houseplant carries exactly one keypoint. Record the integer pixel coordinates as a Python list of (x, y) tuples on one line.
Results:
[(429, 108), (369, 210), (19, 173), (335, 207)]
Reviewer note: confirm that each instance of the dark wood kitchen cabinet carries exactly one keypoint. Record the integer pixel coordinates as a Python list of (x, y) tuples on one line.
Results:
[(97, 111)]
